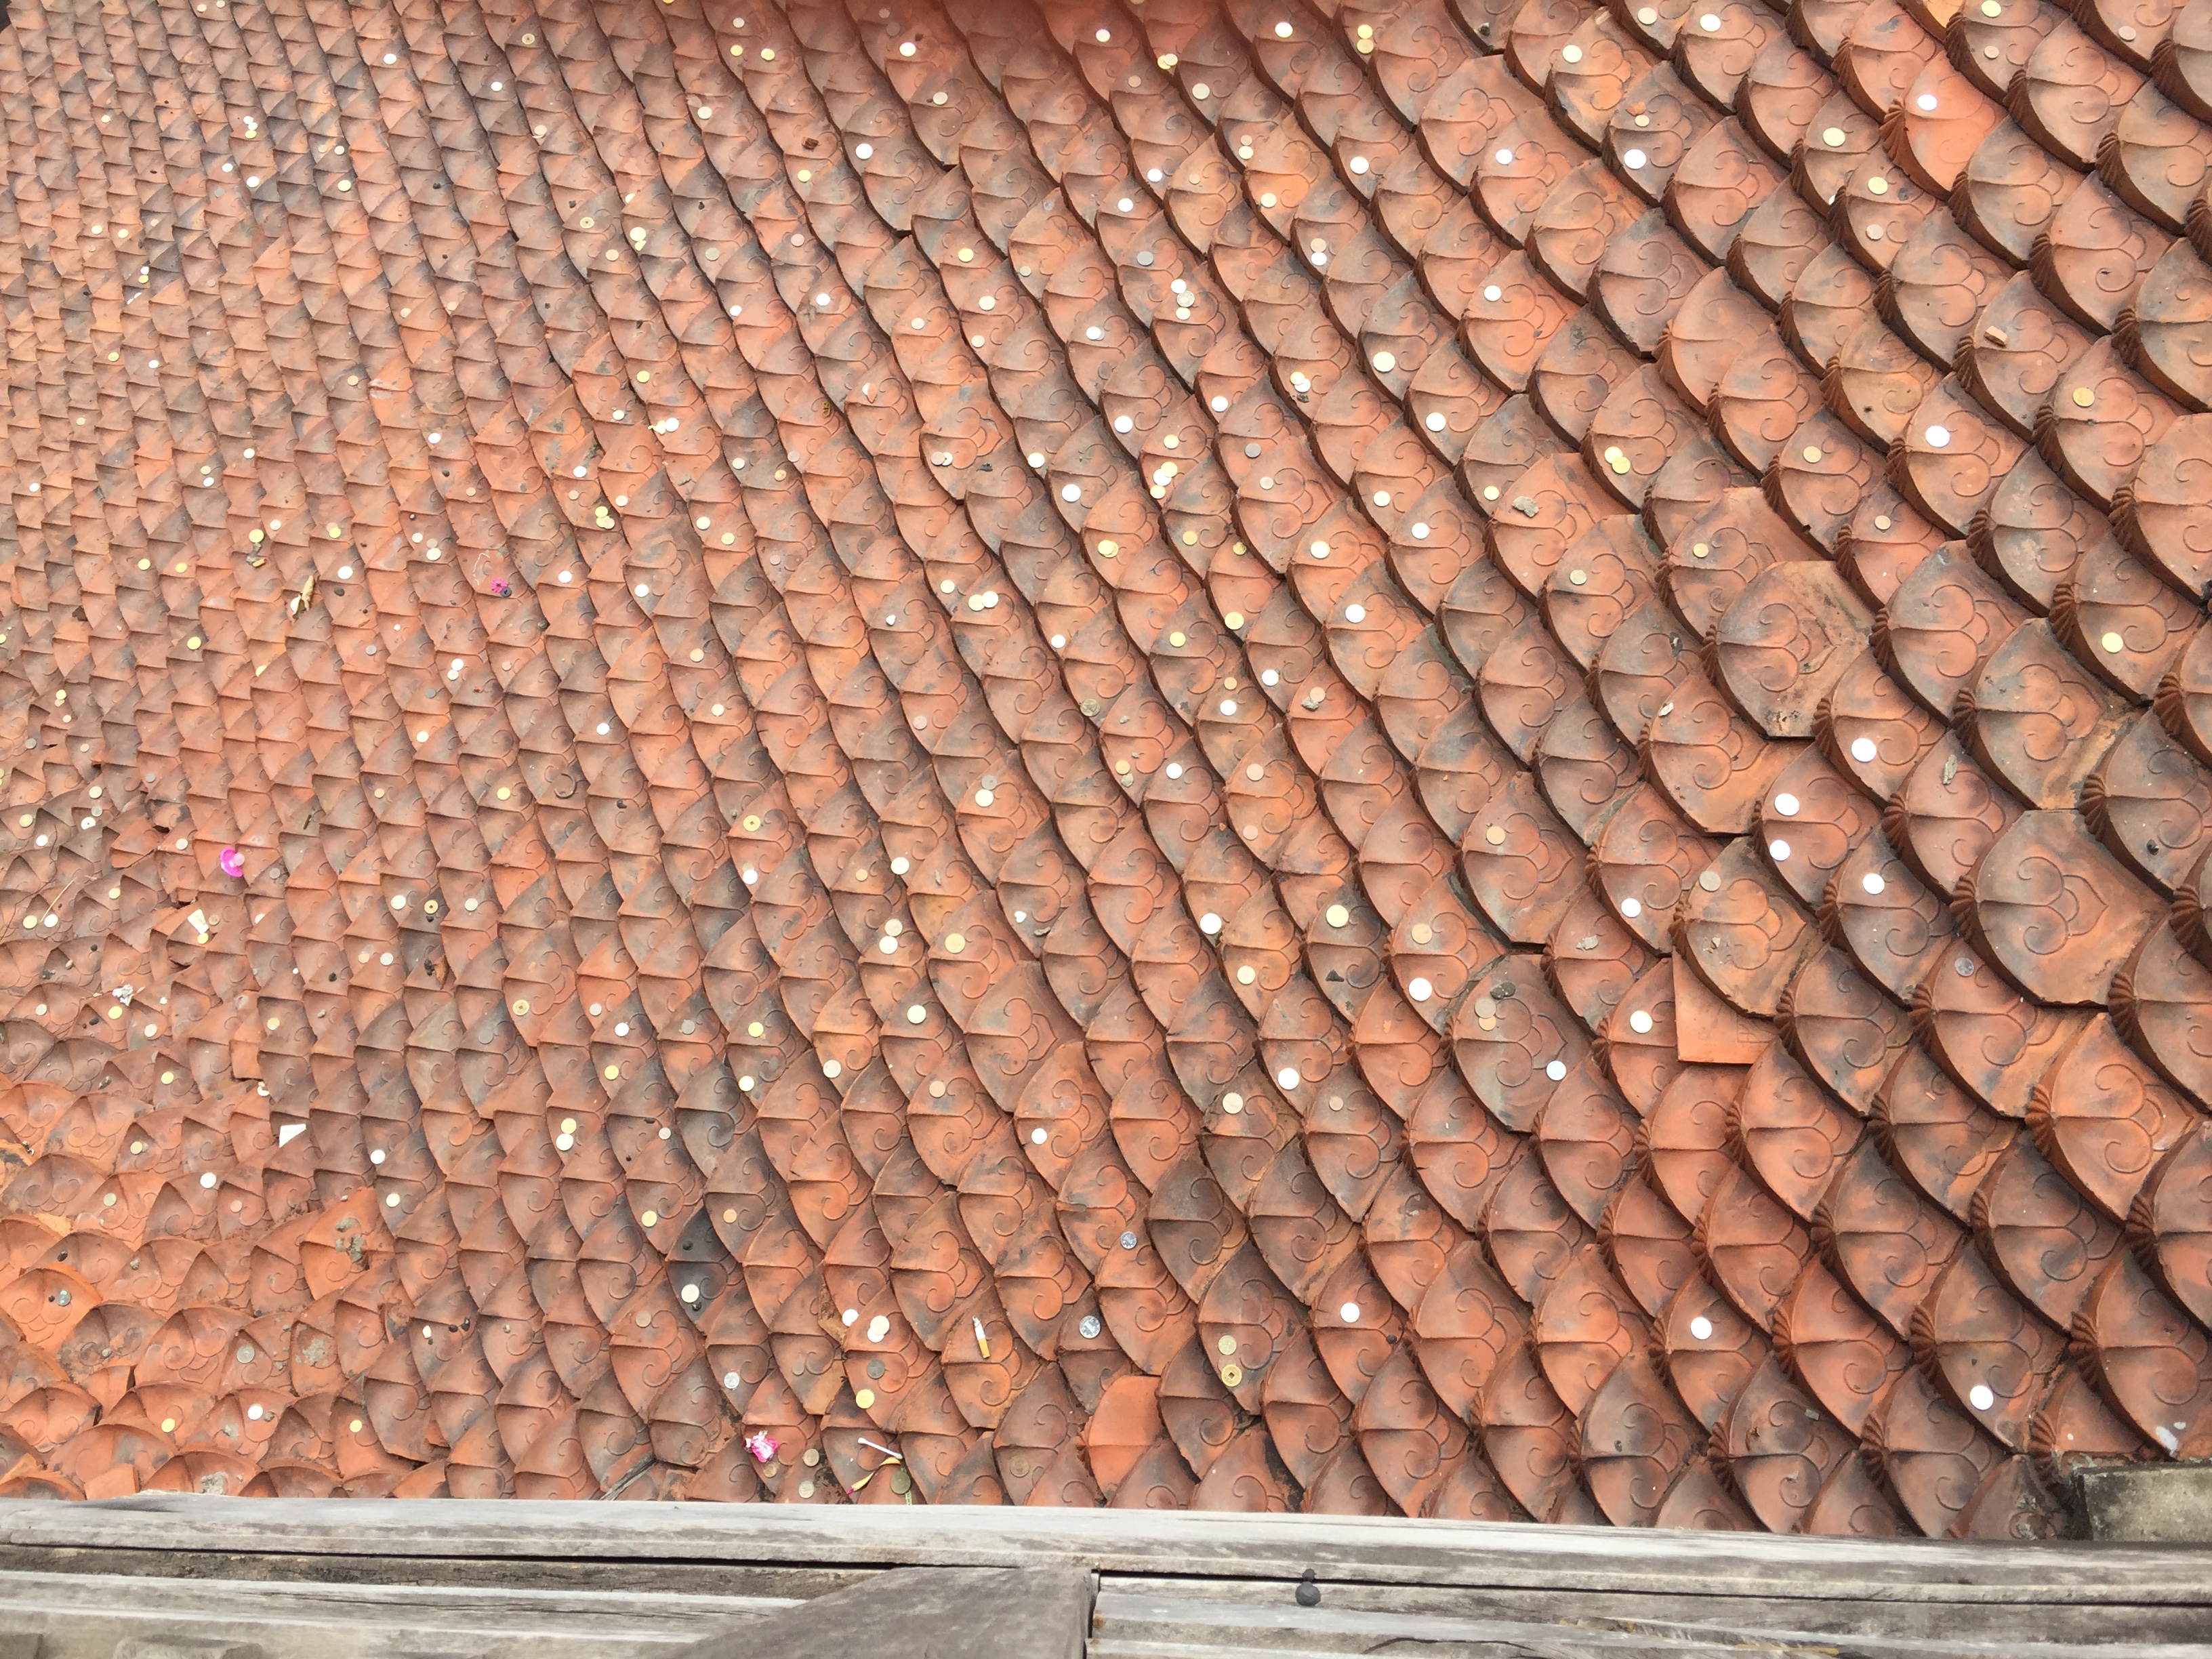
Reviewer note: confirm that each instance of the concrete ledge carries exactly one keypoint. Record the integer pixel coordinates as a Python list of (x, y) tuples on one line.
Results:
[(2157, 1503)]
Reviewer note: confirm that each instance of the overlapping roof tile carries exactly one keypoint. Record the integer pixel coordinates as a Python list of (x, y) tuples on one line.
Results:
[(1447, 759)]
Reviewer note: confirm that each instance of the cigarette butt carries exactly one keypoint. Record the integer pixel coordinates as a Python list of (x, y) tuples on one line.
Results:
[(981, 1340)]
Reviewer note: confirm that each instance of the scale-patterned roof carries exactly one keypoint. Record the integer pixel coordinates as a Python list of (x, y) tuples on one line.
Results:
[(1432, 758)]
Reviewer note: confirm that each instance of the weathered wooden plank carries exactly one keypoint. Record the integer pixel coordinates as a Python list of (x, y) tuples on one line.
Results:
[(1127, 1625), (87, 1615), (978, 1613), (1373, 1551), (1850, 1620)]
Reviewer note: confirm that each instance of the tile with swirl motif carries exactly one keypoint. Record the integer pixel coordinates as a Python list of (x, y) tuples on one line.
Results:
[(2072, 93), (1542, 510), (1835, 142), (1460, 1151), (1883, 1238), (2105, 418), (1764, 396), (1522, 685), (2011, 1503), (2183, 70), (1648, 1245), (2054, 911), (1997, 47), (1943, 1139), (1780, 1447), (1721, 181), (1465, 1324), (1875, 382), (2157, 999), (1513, 1042), (1515, 858), (2164, 326), (1586, 1137), (2076, 1426), (2123, 621), (1568, 235), (1877, 209), (1725, 549), (2012, 189), (1832, 296), (1842, 1027), (1993, 1355), (1705, 336), (2034, 533), (1789, 1133), (2048, 1241), (1820, 479), (1928, 1453), (1751, 1246), (2151, 803), (1942, 623), (1809, 821), (1781, 94), (2020, 346), (1510, 316), (1604, 576), (1518, 169), (1405, 1433), (1852, 1504), (1646, 857), (1786, 641), (1895, 928), (1949, 457), (1656, 123), (2154, 510), (1741, 932), (1883, 55), (1531, 1233), (1636, 1440), (2157, 159), (2104, 1120), (1579, 368), (2166, 1226), (1528, 1435), (1780, 238), (1710, 762), (1937, 284), (1988, 1036), (1584, 1326), (1592, 958), (2039, 722), (1645, 655), (2147, 1356), (1639, 431), (1824, 1334), (1591, 82), (1944, 119), (1714, 48)]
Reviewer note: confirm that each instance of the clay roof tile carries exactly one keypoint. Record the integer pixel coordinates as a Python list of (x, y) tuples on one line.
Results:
[(1802, 302)]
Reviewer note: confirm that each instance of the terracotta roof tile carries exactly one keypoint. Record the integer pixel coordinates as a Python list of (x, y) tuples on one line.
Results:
[(1088, 661)]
